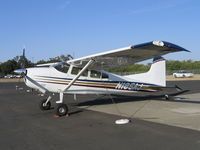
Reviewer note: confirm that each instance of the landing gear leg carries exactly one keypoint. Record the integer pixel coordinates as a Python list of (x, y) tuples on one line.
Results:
[(61, 109), (45, 104)]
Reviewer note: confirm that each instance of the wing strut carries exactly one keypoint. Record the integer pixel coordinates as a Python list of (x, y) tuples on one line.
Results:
[(74, 80), (79, 74)]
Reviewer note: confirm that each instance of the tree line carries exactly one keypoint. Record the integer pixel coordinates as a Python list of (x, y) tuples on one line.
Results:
[(172, 65)]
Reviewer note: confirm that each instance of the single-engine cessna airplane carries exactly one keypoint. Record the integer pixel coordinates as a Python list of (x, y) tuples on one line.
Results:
[(85, 75)]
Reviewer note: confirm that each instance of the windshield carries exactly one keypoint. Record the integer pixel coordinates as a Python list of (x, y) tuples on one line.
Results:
[(62, 67)]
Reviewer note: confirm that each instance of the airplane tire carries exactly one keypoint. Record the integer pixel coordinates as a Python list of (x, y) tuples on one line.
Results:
[(62, 110), (167, 97), (43, 106)]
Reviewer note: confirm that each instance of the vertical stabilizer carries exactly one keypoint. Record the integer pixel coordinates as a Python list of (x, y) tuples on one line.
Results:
[(156, 74)]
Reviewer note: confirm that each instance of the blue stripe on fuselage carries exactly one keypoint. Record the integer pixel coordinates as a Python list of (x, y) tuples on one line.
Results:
[(102, 81)]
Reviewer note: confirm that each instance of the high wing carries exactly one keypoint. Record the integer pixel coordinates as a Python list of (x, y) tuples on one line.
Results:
[(128, 55)]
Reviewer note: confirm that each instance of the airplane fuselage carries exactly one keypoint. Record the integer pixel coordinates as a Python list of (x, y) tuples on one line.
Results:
[(56, 81)]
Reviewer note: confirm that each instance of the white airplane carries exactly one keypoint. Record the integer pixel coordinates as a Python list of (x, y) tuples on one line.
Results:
[(85, 75)]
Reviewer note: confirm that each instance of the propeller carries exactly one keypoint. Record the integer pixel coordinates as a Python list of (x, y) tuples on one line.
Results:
[(22, 72)]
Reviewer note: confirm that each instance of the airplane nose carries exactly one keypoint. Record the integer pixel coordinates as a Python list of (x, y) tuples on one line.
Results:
[(22, 72)]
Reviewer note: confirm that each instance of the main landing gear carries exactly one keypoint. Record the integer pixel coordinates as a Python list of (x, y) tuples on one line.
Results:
[(61, 109)]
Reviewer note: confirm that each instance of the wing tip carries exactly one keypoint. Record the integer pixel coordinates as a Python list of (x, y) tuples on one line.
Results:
[(161, 44), (171, 45)]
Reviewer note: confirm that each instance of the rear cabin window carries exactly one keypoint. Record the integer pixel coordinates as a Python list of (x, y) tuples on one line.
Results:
[(104, 76), (95, 74), (76, 70), (98, 74), (62, 68)]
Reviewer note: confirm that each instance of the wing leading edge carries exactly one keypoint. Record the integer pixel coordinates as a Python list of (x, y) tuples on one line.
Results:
[(129, 55)]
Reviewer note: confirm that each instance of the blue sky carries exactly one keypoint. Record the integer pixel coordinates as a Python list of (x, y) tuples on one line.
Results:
[(49, 28)]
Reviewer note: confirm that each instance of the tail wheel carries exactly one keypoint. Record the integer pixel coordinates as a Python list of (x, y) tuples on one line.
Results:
[(62, 110), (45, 106), (167, 97)]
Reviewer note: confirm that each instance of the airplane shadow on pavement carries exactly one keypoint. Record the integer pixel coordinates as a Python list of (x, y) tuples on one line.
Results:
[(123, 99)]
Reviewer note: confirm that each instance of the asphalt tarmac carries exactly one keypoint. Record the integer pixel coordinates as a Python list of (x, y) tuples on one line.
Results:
[(24, 127)]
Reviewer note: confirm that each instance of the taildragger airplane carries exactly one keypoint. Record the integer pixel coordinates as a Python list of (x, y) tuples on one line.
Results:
[(85, 75)]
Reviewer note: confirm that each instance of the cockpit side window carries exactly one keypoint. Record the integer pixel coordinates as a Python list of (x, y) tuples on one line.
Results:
[(93, 73), (62, 68), (76, 70)]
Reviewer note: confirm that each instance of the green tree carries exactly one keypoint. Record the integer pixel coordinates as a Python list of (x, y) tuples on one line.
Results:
[(8, 67), (23, 62)]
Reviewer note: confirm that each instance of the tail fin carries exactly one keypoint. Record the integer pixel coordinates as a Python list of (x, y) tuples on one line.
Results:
[(156, 74)]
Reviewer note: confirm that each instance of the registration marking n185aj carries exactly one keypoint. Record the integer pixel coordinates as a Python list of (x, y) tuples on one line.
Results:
[(128, 86)]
